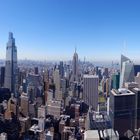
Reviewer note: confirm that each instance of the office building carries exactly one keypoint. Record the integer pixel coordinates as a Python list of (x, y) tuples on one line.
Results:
[(42, 112), (11, 64), (41, 123), (75, 67), (90, 90), (137, 79), (91, 135), (58, 93), (115, 80), (61, 69), (49, 135), (3, 136), (127, 73), (123, 59), (136, 69), (137, 107), (54, 108), (36, 70), (2, 74), (24, 104), (122, 110)]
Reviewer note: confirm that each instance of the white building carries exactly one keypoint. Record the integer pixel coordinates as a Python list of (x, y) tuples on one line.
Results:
[(91, 135), (3, 136)]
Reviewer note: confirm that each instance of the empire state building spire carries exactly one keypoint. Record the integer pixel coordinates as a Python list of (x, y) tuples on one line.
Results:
[(11, 64)]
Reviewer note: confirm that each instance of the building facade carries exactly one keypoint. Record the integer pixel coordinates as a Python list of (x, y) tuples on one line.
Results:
[(90, 90), (11, 64)]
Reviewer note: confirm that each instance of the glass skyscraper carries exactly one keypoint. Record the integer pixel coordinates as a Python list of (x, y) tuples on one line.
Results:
[(127, 71), (11, 64)]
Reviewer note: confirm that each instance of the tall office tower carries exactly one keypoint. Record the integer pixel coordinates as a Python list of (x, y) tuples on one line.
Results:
[(36, 70), (75, 67), (126, 70), (127, 73), (2, 76), (46, 86), (97, 70), (137, 107), (122, 110), (123, 59), (58, 93), (105, 73), (115, 80), (107, 87), (11, 64), (61, 69), (24, 104), (90, 90)]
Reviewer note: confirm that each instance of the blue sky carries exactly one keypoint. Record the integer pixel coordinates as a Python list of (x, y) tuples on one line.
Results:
[(50, 29)]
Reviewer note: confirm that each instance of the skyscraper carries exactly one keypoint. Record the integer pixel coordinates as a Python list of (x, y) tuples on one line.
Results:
[(75, 66), (122, 109), (2, 74), (90, 90), (61, 69), (11, 64), (115, 80), (127, 71), (56, 77)]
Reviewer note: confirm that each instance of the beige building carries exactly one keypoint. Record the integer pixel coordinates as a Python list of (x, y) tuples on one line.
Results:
[(24, 104)]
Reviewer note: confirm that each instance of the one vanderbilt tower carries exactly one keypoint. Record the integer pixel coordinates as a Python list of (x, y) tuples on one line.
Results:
[(11, 64)]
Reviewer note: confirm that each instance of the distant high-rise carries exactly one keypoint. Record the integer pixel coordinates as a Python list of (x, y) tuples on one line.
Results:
[(61, 69), (11, 64), (56, 78), (75, 66), (123, 59), (127, 71), (2, 74), (115, 80), (90, 90)]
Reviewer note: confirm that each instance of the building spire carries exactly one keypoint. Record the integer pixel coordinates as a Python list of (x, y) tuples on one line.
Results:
[(75, 49)]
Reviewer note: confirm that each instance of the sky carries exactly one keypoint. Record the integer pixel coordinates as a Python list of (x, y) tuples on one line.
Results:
[(101, 30)]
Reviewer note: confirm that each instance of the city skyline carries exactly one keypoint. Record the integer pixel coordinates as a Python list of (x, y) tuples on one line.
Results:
[(50, 30)]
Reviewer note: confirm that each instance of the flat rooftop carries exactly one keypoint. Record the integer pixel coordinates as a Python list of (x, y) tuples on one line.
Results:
[(122, 92), (90, 76), (90, 134)]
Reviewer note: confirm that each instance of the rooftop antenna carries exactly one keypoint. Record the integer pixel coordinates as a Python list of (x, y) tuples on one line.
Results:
[(75, 48), (124, 46)]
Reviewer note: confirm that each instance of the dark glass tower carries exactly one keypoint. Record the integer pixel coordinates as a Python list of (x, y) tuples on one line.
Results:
[(11, 64)]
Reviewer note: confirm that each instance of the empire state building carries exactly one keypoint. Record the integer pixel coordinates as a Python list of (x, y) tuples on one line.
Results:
[(75, 66), (11, 64)]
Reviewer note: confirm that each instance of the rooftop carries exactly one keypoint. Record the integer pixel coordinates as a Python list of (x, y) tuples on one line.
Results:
[(122, 92), (90, 76), (91, 134)]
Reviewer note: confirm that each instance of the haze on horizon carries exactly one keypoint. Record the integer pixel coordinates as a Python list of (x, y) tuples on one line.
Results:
[(50, 29)]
